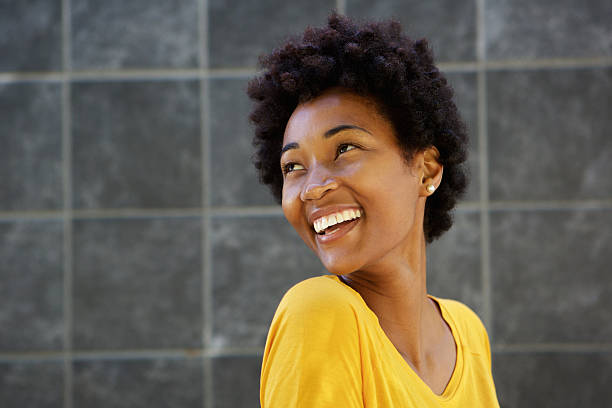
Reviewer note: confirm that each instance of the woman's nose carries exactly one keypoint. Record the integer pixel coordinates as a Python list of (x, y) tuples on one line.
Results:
[(317, 185)]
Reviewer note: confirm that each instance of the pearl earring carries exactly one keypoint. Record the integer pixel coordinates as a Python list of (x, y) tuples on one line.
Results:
[(431, 188)]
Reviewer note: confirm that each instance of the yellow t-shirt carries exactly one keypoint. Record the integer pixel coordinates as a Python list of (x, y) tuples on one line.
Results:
[(325, 348)]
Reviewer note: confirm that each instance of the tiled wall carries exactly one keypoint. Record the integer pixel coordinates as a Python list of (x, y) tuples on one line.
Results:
[(141, 263)]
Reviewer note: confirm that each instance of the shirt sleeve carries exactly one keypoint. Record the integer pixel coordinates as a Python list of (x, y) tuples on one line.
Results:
[(312, 355)]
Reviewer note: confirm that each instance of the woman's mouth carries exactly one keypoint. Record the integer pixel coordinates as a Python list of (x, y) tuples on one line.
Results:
[(336, 225)]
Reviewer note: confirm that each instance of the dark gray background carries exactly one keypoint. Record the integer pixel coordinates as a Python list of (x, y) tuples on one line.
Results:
[(141, 262)]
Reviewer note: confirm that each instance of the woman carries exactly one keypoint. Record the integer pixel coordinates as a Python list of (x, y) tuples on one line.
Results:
[(359, 139)]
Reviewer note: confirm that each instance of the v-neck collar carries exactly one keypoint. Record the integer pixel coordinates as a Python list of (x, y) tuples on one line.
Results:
[(455, 380)]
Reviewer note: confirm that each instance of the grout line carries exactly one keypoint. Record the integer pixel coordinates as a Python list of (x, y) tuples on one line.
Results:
[(458, 67), (273, 210), (231, 73), (551, 205), (235, 352), (136, 74), (106, 355), (67, 198), (8, 216), (553, 348), (9, 77), (136, 213), (549, 63), (249, 72), (130, 75), (341, 6), (103, 214), (206, 291), (128, 354), (33, 356), (255, 211), (485, 230)]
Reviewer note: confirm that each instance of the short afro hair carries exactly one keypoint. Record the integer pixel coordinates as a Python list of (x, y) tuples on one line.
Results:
[(373, 59)]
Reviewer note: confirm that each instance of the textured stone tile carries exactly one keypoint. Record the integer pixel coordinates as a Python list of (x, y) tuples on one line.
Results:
[(136, 144), (31, 35), (32, 384), (551, 276), (234, 178), (548, 28), (30, 156), (137, 283), (236, 381), (135, 34), (241, 30), (31, 265), (549, 134), (138, 383), (450, 26), (466, 95), (560, 380), (255, 261), (453, 262)]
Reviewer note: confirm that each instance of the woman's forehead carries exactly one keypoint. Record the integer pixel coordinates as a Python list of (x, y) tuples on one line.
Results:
[(334, 107)]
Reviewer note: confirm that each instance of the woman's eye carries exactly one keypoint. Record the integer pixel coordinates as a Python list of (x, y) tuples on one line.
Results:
[(289, 167), (345, 147)]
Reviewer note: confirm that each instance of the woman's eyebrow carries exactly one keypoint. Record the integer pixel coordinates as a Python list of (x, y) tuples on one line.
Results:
[(340, 128), (289, 146), (331, 132)]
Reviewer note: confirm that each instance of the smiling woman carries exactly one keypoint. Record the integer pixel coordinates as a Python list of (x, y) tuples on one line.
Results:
[(358, 137)]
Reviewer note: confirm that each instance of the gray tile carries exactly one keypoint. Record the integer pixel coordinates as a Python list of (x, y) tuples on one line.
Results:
[(138, 383), (560, 380), (31, 139), (262, 25), (236, 381), (234, 178), (136, 144), (255, 261), (466, 95), (31, 264), (449, 25), (135, 34), (31, 35), (549, 134), (453, 262), (551, 276), (32, 384), (548, 28), (137, 283)]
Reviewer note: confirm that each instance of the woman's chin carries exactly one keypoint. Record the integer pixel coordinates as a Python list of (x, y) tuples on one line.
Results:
[(339, 267)]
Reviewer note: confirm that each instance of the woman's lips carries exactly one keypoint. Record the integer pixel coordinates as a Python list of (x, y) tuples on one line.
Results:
[(337, 231)]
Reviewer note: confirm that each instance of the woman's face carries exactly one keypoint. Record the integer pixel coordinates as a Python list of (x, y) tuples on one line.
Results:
[(348, 190)]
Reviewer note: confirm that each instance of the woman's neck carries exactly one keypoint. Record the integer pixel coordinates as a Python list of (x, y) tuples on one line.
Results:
[(395, 290)]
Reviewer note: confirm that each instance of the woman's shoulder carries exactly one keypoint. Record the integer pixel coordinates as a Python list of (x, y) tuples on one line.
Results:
[(312, 354), (319, 297), (312, 315), (459, 310)]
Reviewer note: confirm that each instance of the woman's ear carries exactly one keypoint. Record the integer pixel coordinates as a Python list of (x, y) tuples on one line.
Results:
[(432, 171)]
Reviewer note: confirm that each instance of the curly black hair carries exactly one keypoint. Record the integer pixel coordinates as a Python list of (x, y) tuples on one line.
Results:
[(374, 59)]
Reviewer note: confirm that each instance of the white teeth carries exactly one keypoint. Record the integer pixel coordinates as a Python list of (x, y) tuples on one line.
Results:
[(324, 222)]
